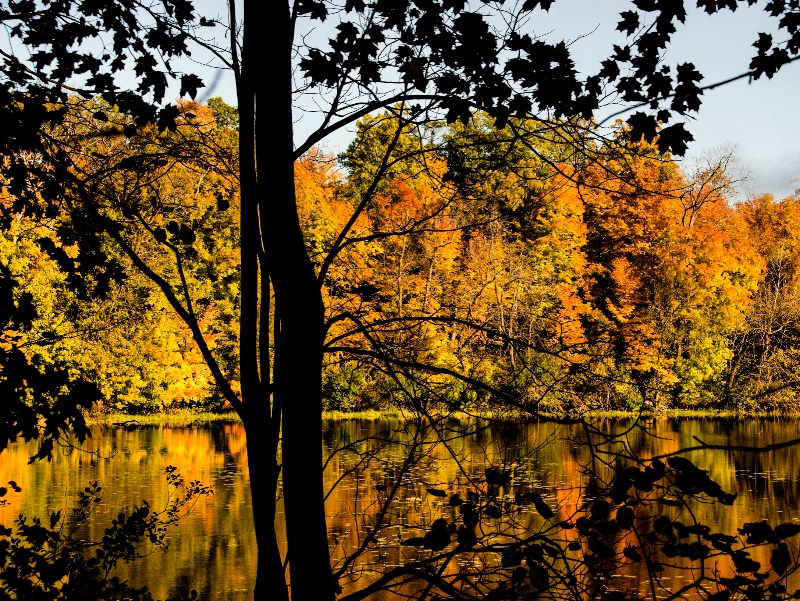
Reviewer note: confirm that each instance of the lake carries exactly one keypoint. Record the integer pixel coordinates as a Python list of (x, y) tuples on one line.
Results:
[(212, 550)]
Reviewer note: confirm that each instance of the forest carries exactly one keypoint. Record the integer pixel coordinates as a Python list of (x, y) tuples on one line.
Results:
[(614, 278)]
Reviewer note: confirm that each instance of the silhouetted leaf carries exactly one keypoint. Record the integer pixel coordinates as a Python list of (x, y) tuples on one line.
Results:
[(186, 235), (629, 22), (316, 9), (643, 126), (757, 532), (190, 84), (414, 541), (539, 577), (743, 562), (600, 509), (674, 138), (780, 560), (531, 4), (511, 557), (625, 517), (466, 537), (542, 508), (439, 536), (787, 530)]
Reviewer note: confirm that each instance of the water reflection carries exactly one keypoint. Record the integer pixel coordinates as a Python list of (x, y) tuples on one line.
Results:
[(213, 550), (535, 458)]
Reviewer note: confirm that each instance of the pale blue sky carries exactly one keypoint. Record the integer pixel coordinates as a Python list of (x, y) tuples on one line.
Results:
[(759, 117)]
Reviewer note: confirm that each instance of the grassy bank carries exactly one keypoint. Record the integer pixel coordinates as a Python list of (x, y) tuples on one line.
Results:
[(176, 418), (183, 418)]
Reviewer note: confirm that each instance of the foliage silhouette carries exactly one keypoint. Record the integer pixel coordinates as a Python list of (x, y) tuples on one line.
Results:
[(48, 562)]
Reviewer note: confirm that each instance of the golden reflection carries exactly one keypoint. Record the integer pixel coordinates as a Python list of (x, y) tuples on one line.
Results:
[(387, 482), (212, 550)]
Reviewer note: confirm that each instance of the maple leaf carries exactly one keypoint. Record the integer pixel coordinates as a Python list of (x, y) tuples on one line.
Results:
[(190, 84), (763, 43), (646, 5), (321, 67), (156, 81), (414, 72), (687, 73), (642, 126), (629, 23), (167, 117), (610, 70), (791, 22), (145, 64), (769, 64), (316, 9), (101, 82), (675, 138), (356, 5), (658, 84), (532, 4)]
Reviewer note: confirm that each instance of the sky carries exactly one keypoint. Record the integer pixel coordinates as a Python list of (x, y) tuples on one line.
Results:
[(758, 118)]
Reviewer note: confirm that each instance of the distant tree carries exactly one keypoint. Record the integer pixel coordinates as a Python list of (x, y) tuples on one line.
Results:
[(421, 61), (669, 289), (763, 368)]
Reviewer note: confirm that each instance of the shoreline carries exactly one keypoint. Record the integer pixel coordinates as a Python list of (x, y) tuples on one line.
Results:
[(178, 418)]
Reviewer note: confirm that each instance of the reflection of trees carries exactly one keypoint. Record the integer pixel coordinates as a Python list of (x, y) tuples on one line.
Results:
[(613, 521), (212, 545), (379, 498)]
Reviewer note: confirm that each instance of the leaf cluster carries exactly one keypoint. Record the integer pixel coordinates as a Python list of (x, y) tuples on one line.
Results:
[(48, 563)]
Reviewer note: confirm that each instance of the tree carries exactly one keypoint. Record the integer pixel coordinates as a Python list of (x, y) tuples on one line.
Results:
[(764, 361), (141, 357), (671, 278), (418, 61)]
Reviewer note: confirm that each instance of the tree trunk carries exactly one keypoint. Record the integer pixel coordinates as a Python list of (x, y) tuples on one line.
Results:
[(281, 256), (264, 473)]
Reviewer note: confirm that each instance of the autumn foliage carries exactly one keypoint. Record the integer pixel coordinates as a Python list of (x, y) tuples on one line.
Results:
[(617, 282), (476, 265)]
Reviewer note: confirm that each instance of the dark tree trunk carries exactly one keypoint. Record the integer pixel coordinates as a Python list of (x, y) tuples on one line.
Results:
[(276, 253), (264, 472)]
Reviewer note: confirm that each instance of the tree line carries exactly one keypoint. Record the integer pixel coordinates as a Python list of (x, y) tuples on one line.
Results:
[(609, 278)]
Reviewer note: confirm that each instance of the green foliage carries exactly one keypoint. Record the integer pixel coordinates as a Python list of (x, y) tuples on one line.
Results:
[(344, 388)]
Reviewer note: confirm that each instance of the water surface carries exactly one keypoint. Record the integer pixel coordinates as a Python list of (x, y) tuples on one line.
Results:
[(213, 549)]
